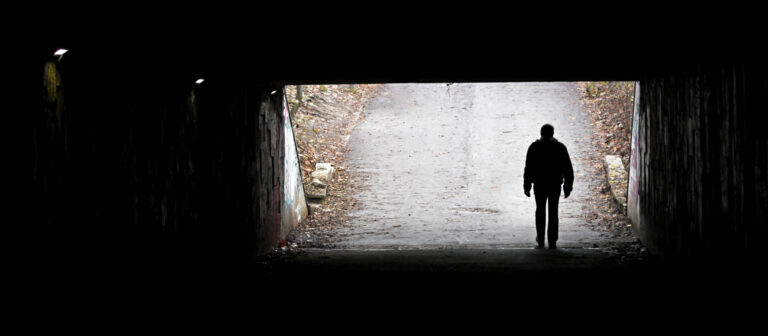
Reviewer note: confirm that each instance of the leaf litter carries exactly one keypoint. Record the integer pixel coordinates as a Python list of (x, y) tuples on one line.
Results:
[(609, 106), (322, 122)]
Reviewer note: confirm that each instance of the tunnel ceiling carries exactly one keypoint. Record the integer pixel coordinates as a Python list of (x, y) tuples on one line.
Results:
[(439, 54)]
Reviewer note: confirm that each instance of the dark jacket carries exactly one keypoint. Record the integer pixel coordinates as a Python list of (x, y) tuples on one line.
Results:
[(547, 162)]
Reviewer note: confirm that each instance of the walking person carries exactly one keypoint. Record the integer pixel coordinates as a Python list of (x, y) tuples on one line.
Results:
[(548, 167)]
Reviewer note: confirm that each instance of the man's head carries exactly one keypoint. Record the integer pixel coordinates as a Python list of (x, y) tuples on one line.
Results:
[(547, 131)]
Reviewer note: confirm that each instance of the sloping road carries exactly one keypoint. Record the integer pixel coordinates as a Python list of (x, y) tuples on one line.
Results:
[(442, 166)]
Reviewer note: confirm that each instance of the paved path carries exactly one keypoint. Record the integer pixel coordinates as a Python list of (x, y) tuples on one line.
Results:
[(442, 166)]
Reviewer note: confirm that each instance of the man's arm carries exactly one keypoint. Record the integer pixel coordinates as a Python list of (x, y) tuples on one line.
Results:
[(528, 172), (567, 173)]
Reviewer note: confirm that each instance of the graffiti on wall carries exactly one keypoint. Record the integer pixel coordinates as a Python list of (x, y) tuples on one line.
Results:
[(294, 207), (633, 201)]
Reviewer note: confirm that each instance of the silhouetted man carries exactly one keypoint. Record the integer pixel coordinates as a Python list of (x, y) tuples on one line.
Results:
[(547, 165)]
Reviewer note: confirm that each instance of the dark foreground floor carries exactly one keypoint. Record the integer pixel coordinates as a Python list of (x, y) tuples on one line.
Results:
[(524, 273), (565, 289)]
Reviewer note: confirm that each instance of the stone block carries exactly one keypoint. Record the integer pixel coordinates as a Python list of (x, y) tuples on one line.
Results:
[(323, 172), (314, 208), (315, 191), (617, 178)]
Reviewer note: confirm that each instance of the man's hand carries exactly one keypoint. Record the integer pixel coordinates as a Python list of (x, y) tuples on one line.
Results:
[(567, 192), (527, 189), (527, 192)]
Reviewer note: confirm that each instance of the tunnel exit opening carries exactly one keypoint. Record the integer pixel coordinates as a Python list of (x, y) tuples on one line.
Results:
[(440, 165)]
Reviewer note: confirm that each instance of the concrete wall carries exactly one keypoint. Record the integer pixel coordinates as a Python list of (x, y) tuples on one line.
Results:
[(294, 204), (135, 160), (633, 185), (701, 162)]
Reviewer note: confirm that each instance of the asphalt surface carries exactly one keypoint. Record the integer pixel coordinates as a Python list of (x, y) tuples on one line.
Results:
[(441, 166)]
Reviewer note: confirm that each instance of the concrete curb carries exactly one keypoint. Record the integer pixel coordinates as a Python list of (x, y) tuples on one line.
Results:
[(617, 179)]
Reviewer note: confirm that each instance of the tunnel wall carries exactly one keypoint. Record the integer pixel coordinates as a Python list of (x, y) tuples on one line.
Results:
[(294, 203), (132, 162), (699, 184)]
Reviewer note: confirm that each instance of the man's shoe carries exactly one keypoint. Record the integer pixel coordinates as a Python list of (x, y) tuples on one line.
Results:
[(552, 246)]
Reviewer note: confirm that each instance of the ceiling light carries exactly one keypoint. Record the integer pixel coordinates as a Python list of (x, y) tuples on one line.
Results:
[(199, 81), (60, 53)]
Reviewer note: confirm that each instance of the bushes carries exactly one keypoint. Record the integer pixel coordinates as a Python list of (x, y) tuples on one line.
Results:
[(610, 106)]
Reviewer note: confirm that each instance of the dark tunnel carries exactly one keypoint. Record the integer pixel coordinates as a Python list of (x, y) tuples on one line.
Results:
[(139, 172)]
